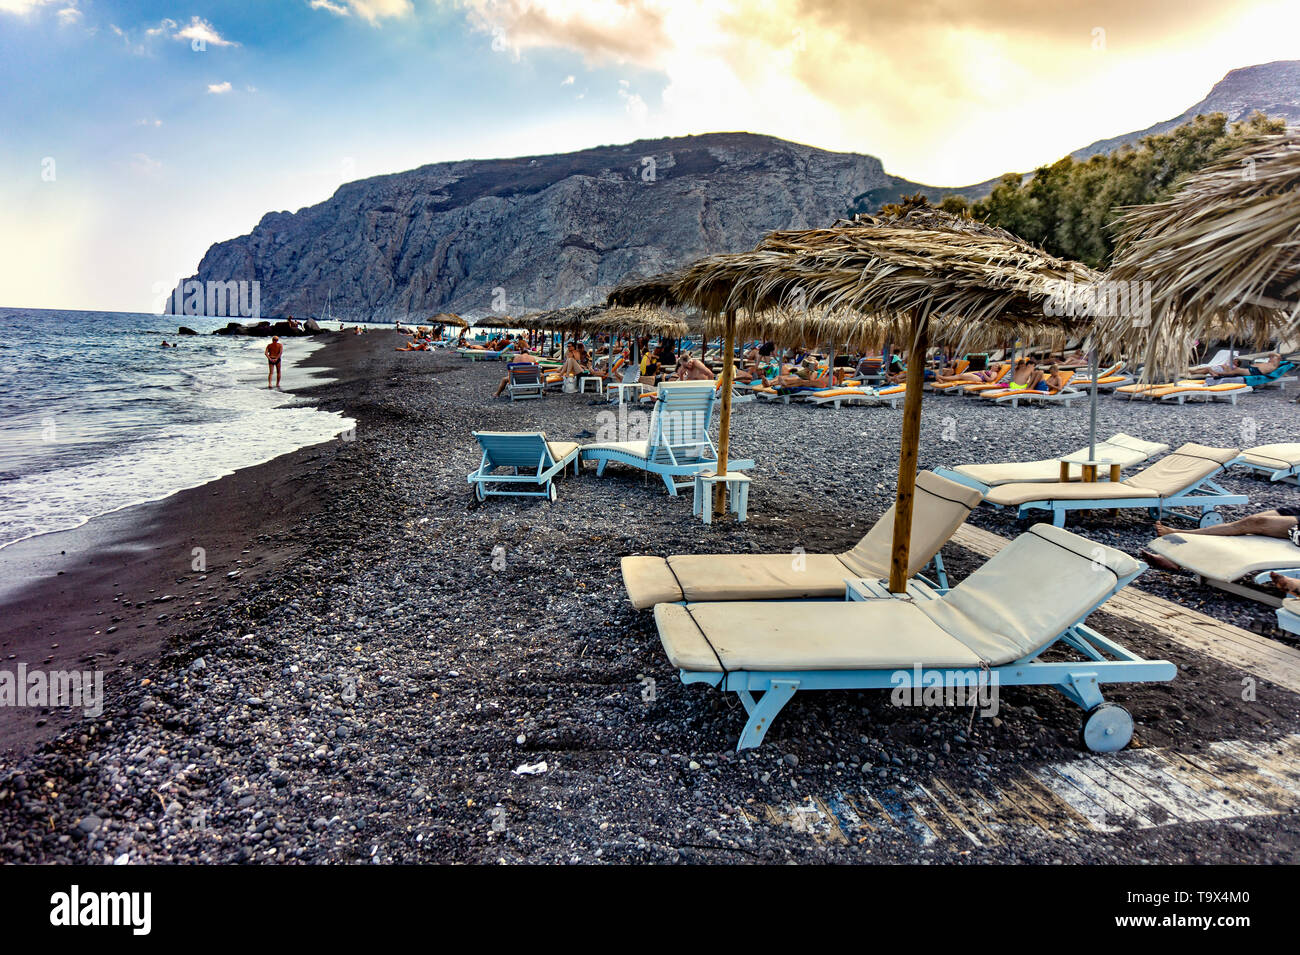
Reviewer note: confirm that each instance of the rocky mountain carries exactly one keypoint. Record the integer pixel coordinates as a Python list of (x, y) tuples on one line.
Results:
[(1271, 87), (517, 234), (513, 235)]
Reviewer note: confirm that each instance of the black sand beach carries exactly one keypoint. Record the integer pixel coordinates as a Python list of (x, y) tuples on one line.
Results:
[(393, 662)]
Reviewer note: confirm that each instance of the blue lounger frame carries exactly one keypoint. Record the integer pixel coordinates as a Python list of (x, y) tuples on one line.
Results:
[(524, 380), (1105, 661), (1288, 620), (1289, 473), (676, 451), (530, 457), (1205, 494)]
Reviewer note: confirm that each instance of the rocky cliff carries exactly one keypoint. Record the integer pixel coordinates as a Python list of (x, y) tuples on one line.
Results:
[(514, 235), (1273, 88), (537, 231)]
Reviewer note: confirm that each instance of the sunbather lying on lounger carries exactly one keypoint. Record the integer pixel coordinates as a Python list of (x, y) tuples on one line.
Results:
[(978, 376), (1283, 523)]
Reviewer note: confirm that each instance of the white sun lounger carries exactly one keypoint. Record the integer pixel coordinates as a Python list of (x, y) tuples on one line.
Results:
[(679, 445), (1281, 462), (1288, 615), (1222, 561), (1181, 478), (1122, 449), (941, 507), (516, 459), (991, 629)]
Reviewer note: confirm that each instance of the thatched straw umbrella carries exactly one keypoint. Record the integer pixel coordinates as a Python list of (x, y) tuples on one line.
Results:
[(1224, 249), (921, 276)]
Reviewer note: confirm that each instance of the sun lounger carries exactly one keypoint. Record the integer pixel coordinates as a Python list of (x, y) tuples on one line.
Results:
[(518, 459), (1122, 449), (1281, 462), (1179, 479), (1000, 373), (1288, 615), (858, 396), (679, 445), (1278, 376), (1107, 378), (1181, 391), (1222, 561), (1058, 392), (942, 507), (990, 630), (525, 380)]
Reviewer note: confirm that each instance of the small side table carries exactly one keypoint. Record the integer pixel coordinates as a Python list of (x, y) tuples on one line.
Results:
[(737, 493), (1089, 466), (623, 387), (599, 383)]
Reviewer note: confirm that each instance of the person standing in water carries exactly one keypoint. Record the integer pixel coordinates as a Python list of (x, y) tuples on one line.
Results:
[(273, 352)]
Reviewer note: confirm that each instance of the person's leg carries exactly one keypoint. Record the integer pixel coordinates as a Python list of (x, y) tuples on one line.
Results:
[(270, 370), (1288, 585), (1266, 524), (278, 365)]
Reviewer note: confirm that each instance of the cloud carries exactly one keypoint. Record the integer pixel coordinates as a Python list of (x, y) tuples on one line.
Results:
[(219, 88), (372, 11), (632, 102), (21, 7), (568, 80), (68, 16), (200, 32), (148, 122), (145, 164), (948, 91)]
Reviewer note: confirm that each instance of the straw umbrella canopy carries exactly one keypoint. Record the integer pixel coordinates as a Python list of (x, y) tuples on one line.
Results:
[(919, 277), (447, 318), (1223, 253)]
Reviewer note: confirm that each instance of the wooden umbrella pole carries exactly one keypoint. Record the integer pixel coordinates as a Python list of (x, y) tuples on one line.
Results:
[(724, 436), (908, 452)]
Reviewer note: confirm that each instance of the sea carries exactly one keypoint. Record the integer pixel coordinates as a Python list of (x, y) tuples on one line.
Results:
[(95, 415)]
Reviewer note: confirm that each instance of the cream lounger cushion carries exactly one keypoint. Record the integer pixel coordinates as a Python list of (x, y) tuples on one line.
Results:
[(941, 507), (1226, 558), (1275, 456), (1292, 604), (561, 449), (1122, 449), (1171, 475), (637, 448), (1021, 600)]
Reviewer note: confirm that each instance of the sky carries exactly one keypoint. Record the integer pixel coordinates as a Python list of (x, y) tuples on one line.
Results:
[(134, 134)]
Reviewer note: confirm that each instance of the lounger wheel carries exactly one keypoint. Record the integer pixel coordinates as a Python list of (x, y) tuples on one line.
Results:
[(1210, 518), (479, 492), (554, 494), (1107, 728)]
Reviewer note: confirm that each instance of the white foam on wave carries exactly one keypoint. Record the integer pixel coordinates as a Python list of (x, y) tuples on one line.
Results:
[(256, 425)]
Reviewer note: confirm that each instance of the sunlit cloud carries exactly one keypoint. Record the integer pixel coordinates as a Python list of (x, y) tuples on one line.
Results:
[(68, 16), (21, 7), (219, 88), (200, 31), (916, 84), (371, 11)]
